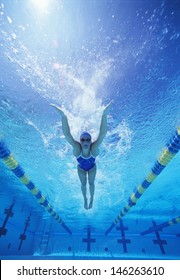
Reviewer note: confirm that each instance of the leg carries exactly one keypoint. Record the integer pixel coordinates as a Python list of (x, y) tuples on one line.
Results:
[(83, 179), (91, 178)]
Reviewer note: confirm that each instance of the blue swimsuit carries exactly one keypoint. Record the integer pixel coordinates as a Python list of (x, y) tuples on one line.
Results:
[(86, 163)]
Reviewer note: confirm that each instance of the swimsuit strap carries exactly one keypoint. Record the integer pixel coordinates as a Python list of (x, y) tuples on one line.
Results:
[(84, 157)]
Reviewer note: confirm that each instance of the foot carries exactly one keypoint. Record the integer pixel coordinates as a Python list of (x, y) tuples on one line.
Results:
[(91, 203), (85, 204)]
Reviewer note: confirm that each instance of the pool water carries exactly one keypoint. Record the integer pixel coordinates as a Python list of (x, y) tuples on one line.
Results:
[(81, 55)]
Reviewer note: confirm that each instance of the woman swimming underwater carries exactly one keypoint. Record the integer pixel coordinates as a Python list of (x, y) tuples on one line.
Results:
[(85, 152)]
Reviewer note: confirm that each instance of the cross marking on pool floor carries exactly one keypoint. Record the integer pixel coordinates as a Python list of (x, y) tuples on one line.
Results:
[(124, 241), (159, 241), (89, 240), (9, 214)]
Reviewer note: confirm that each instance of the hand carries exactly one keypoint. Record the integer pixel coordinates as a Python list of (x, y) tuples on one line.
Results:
[(59, 109), (106, 109)]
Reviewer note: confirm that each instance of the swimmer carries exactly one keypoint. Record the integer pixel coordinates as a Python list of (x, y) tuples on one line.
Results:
[(85, 152)]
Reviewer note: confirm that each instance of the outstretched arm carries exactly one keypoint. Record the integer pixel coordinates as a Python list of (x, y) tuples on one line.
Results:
[(102, 130), (65, 127)]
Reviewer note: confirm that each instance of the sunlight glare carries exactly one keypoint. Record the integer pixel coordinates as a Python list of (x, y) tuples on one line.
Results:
[(41, 4)]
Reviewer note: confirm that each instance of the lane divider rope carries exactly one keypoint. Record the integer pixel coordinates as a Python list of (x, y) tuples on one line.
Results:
[(9, 160), (166, 156)]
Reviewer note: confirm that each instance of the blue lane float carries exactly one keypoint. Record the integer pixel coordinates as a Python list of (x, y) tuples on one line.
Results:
[(9, 160), (167, 155), (161, 226)]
